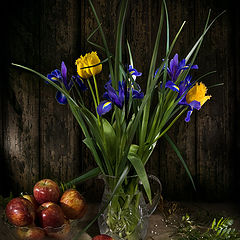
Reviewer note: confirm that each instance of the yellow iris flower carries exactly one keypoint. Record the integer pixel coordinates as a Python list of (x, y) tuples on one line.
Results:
[(88, 60)]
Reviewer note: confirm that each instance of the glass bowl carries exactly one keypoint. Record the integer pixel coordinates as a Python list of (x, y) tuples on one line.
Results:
[(66, 232)]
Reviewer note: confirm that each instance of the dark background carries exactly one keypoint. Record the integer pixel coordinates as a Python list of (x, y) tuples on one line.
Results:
[(40, 138)]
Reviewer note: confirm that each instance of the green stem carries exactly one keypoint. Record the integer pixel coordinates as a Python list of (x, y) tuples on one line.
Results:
[(169, 126), (94, 100), (96, 89)]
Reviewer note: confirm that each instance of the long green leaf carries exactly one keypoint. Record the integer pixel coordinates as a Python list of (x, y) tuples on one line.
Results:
[(174, 147), (98, 137), (141, 172), (145, 118), (103, 61), (169, 126), (205, 31), (47, 80), (88, 175), (94, 44), (149, 93), (92, 147), (103, 39), (130, 54), (118, 46)]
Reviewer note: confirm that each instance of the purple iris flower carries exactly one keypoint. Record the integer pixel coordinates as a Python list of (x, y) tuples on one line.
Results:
[(134, 72), (136, 90), (113, 97), (176, 67), (60, 78), (116, 97), (182, 90)]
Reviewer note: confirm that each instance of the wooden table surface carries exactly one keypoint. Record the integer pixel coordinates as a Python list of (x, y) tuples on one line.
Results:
[(161, 223)]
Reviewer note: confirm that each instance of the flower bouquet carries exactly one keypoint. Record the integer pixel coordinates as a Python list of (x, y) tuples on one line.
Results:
[(123, 128)]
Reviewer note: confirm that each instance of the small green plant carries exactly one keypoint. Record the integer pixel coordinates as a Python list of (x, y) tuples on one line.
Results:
[(222, 229), (218, 230)]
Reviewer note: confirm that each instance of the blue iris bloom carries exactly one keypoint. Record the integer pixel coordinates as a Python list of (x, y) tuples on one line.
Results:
[(134, 72), (175, 68), (182, 90), (116, 97), (136, 90), (122, 94), (113, 97), (60, 78)]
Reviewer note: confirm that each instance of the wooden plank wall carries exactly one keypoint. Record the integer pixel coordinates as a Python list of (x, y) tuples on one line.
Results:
[(40, 138)]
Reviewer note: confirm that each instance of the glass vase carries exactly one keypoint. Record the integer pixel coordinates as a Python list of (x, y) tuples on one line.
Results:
[(127, 214)]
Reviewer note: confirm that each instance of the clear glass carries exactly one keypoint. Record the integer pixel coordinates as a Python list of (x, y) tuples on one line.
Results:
[(65, 232), (127, 215)]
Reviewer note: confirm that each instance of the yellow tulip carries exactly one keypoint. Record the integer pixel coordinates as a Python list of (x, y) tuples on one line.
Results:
[(88, 60), (197, 93)]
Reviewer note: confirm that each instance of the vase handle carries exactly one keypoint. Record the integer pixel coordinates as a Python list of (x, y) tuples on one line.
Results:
[(156, 197)]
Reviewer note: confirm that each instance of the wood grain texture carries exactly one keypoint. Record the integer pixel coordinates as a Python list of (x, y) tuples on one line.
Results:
[(214, 126), (40, 138), (21, 102), (59, 133)]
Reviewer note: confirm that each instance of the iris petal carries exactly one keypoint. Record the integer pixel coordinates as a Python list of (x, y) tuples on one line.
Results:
[(64, 73), (172, 86), (133, 71), (174, 63), (104, 107), (57, 74), (61, 98), (53, 78), (187, 119), (82, 86), (137, 94), (195, 104)]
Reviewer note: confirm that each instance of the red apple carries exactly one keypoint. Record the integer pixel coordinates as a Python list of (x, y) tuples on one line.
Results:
[(20, 212), (73, 204), (46, 190), (102, 237), (33, 233), (32, 200), (50, 215)]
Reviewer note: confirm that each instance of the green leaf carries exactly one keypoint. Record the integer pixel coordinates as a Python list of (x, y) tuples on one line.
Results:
[(203, 34), (88, 175), (103, 61), (130, 54), (174, 147), (103, 38), (92, 147), (169, 126), (49, 81), (94, 44), (141, 172), (118, 46), (110, 140), (133, 149), (108, 131)]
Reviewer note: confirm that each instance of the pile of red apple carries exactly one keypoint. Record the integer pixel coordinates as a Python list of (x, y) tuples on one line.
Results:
[(43, 213)]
